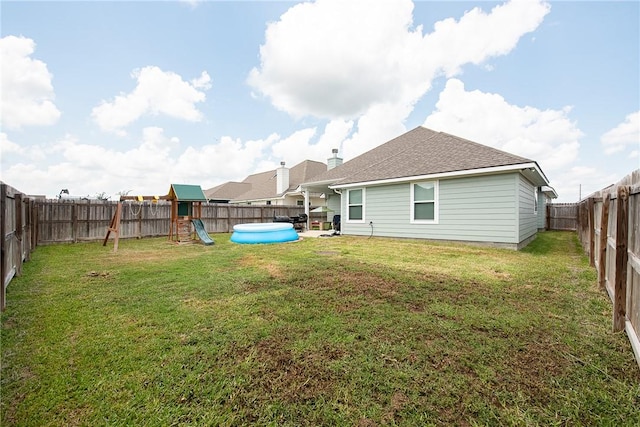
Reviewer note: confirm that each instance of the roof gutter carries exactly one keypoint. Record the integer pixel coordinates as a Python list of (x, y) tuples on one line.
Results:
[(316, 183), (532, 168)]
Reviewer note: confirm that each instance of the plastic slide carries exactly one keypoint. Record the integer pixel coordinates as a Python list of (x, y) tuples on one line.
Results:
[(202, 233)]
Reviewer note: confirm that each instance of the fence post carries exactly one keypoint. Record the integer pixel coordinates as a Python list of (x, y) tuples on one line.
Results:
[(27, 227), (620, 282), (34, 224), (592, 231), (74, 222), (139, 218), (18, 232), (604, 230), (87, 232), (547, 225), (3, 249)]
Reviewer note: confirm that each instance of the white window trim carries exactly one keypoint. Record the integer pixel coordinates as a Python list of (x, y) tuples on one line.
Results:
[(535, 200), (436, 203), (357, 221)]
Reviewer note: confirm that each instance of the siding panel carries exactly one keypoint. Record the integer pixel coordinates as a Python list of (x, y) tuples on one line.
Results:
[(528, 219), (481, 209)]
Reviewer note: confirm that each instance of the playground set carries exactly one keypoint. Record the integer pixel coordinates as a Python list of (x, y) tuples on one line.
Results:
[(186, 211)]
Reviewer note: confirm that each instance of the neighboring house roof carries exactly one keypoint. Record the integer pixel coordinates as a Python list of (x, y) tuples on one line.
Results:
[(261, 186), (227, 191), (186, 193), (419, 152)]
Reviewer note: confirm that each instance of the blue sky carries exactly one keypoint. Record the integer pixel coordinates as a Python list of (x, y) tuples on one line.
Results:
[(105, 97)]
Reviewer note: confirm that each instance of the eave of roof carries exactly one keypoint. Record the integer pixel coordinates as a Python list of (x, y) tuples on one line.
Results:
[(423, 152), (528, 169)]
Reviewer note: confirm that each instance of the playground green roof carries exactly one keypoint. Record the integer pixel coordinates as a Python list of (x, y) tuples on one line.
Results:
[(186, 193)]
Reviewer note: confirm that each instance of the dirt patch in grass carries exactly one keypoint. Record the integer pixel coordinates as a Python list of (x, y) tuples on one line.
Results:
[(356, 284), (282, 374), (327, 253), (198, 304), (397, 403), (293, 378), (530, 369), (140, 256), (355, 280), (271, 267)]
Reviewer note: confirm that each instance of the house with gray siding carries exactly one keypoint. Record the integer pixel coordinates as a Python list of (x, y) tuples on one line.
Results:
[(433, 185)]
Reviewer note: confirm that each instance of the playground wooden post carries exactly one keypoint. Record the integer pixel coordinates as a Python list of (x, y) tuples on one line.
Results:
[(115, 227)]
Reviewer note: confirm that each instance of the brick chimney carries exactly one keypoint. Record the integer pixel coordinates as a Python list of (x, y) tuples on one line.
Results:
[(334, 160), (282, 179)]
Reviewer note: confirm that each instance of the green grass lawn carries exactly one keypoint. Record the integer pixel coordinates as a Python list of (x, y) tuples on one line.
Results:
[(339, 331)]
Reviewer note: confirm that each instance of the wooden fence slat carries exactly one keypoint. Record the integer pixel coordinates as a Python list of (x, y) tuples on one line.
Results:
[(620, 281), (592, 231), (604, 227), (18, 233), (3, 245)]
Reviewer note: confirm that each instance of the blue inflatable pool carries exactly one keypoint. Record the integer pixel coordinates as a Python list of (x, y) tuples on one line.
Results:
[(270, 232)]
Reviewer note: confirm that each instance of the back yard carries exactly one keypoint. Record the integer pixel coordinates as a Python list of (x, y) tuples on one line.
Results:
[(339, 331)]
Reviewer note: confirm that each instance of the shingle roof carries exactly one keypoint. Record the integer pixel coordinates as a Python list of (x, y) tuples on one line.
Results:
[(420, 151), (227, 191), (260, 186)]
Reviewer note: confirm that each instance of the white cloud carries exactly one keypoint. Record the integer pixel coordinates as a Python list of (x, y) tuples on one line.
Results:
[(157, 92), (302, 144), (227, 160), (89, 169), (479, 35), (334, 134), (157, 160), (546, 136), (381, 123), (625, 134), (285, 149), (7, 146), (364, 60), (27, 91), (577, 182), (335, 59)]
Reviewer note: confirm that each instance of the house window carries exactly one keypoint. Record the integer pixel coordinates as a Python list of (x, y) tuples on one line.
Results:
[(268, 202), (355, 205), (424, 202), (535, 200), (299, 202)]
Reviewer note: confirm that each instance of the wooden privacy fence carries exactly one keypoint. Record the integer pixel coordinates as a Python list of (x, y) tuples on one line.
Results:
[(17, 239), (562, 216), (609, 230), (84, 220)]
